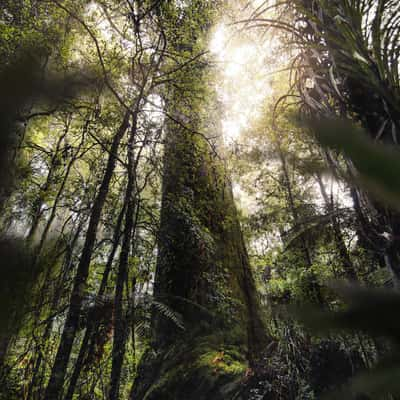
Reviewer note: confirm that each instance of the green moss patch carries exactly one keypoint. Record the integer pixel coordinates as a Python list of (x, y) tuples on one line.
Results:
[(194, 374)]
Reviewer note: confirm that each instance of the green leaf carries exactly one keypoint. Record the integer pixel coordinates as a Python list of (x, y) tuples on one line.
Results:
[(378, 165)]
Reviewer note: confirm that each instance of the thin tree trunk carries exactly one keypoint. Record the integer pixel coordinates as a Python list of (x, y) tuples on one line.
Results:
[(60, 192), (296, 220), (54, 164), (368, 237), (57, 377), (34, 386), (341, 247), (121, 326), (92, 322)]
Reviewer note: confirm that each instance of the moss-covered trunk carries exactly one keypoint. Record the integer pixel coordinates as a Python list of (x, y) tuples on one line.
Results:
[(203, 274)]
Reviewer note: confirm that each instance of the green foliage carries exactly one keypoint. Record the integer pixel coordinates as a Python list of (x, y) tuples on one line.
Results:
[(377, 164), (69, 71), (170, 314)]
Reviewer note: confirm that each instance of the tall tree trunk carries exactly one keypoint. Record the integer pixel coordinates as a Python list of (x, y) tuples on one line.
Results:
[(39, 201), (93, 323), (304, 245), (121, 325), (291, 201), (203, 275), (207, 328), (60, 191), (341, 247), (35, 386), (57, 377)]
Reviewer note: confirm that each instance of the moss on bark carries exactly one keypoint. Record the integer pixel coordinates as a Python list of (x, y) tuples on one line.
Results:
[(203, 271), (192, 373)]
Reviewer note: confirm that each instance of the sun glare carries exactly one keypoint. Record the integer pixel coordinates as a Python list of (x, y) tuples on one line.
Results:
[(242, 85), (245, 64)]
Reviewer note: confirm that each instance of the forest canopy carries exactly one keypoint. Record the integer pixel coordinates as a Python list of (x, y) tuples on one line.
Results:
[(199, 199)]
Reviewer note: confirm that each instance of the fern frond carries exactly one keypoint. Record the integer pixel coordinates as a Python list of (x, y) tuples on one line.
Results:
[(172, 315)]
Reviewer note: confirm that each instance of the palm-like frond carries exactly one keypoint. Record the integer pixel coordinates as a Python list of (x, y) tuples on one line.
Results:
[(349, 61)]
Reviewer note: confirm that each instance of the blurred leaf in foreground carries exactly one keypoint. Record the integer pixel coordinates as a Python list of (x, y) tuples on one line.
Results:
[(378, 165), (374, 312), (368, 310), (28, 89)]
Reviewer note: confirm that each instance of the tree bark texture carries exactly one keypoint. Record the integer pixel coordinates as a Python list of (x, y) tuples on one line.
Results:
[(203, 274)]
